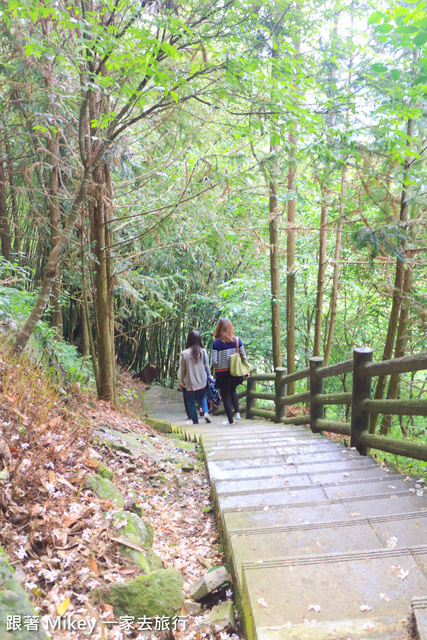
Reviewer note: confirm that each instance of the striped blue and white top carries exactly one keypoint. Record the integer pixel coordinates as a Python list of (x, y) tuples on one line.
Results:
[(221, 352)]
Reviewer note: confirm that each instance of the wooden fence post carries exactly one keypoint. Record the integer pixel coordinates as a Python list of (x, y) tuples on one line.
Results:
[(280, 390), (317, 411), (361, 392), (250, 390)]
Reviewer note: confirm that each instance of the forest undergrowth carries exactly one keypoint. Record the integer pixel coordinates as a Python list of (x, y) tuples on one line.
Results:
[(55, 532)]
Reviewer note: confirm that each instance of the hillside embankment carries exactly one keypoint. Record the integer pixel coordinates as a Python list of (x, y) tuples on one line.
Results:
[(105, 522)]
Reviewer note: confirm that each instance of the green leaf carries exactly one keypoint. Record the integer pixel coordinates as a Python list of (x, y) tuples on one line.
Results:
[(420, 39), (375, 17), (378, 67), (395, 74), (384, 28)]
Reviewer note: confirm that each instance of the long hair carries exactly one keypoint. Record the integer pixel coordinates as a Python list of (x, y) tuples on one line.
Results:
[(194, 341), (224, 330)]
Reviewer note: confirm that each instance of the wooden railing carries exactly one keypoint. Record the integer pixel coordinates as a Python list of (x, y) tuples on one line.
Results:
[(363, 369)]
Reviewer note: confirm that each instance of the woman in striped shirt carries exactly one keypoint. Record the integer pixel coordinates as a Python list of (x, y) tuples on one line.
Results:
[(224, 346)]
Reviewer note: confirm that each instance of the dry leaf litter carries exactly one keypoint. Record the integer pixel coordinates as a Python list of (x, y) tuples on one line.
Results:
[(57, 534)]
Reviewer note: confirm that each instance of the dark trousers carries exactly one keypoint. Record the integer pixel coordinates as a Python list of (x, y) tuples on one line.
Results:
[(190, 399), (227, 387)]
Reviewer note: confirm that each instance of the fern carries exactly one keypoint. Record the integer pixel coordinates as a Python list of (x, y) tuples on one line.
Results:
[(385, 240)]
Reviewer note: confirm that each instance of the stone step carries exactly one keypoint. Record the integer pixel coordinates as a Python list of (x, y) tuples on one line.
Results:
[(335, 478), (254, 437), (308, 521), (282, 440), (302, 490), (278, 596), (219, 473), (300, 539), (240, 458), (252, 517), (216, 431), (261, 449)]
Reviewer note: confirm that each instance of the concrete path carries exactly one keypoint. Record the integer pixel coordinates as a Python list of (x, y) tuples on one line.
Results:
[(324, 544)]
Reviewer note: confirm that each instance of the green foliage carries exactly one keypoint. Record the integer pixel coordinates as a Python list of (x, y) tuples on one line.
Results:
[(385, 240), (63, 360)]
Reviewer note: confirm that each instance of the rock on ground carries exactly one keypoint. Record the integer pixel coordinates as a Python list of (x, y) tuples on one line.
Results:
[(208, 583), (14, 602), (104, 489), (157, 594)]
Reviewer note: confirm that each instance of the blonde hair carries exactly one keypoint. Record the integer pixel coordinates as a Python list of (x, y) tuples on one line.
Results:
[(224, 330)]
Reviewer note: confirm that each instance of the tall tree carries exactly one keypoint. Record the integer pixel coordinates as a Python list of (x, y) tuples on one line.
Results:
[(131, 54), (5, 235)]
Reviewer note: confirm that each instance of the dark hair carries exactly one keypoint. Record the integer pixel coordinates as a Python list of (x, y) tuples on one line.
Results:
[(194, 340), (224, 330)]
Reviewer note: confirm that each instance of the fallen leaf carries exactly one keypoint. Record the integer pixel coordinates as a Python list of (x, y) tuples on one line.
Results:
[(36, 509), (262, 602), (403, 574), (93, 567), (127, 571), (63, 606), (71, 520)]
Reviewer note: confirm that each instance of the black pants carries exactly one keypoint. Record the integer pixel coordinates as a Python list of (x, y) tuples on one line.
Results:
[(227, 386)]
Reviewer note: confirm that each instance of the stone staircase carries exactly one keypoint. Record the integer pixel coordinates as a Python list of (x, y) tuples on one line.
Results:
[(324, 544)]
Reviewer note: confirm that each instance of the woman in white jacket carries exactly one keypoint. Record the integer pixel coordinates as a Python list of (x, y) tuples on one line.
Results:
[(192, 375)]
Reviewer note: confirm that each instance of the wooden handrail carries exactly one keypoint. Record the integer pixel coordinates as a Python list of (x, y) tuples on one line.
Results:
[(264, 396), (332, 398), (406, 364), (296, 398), (297, 375), (265, 377), (335, 369), (333, 426), (360, 400), (398, 447), (397, 407)]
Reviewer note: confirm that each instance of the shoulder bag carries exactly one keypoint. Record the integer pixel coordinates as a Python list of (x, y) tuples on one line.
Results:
[(239, 366)]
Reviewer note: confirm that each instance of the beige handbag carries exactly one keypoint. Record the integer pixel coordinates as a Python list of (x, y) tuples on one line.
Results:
[(239, 366)]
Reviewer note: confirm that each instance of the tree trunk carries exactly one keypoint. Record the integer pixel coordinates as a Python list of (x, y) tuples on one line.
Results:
[(11, 176), (56, 319), (336, 276), (5, 237), (274, 238), (398, 284), (290, 264), (175, 353), (110, 265), (54, 259), (101, 301), (321, 272), (274, 265), (399, 352)]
